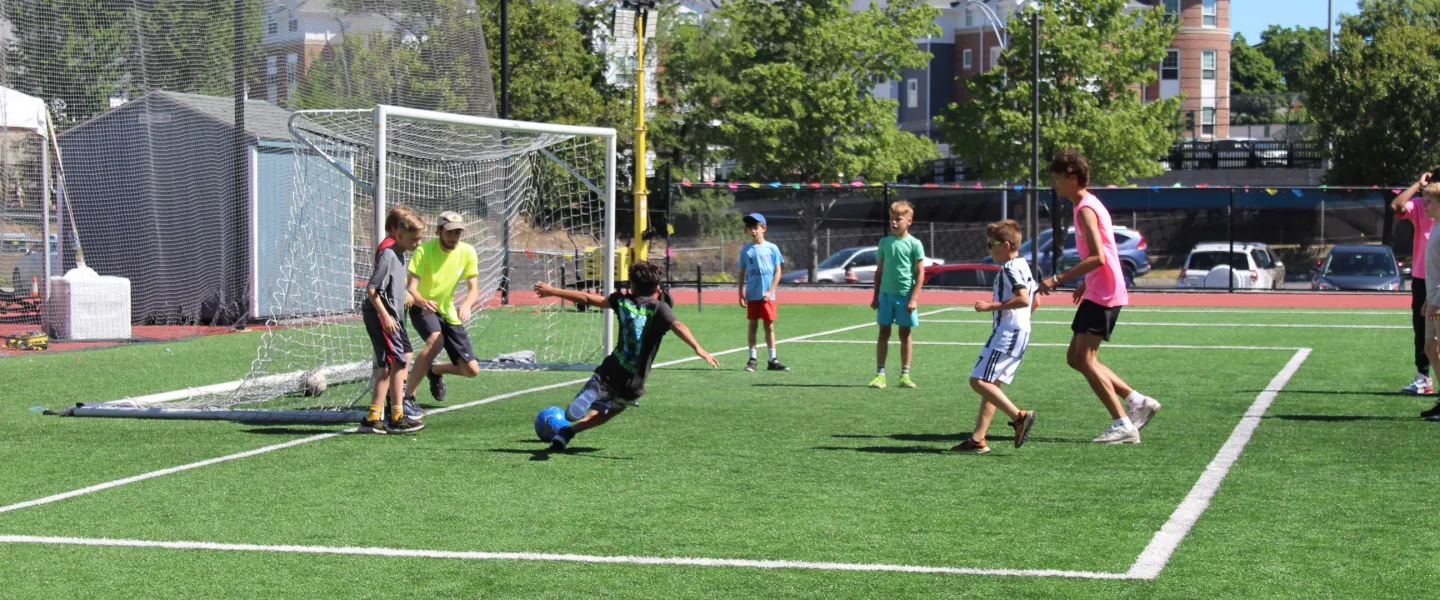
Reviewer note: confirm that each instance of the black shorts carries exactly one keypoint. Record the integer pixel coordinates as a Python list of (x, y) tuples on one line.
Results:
[(390, 348), (457, 341), (1093, 319)]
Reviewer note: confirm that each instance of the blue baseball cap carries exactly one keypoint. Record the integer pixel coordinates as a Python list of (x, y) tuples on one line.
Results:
[(756, 217)]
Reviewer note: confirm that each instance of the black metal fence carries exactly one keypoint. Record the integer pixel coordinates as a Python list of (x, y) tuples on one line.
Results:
[(1269, 238)]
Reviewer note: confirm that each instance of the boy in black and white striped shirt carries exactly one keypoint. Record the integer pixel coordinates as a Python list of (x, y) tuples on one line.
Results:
[(1011, 303)]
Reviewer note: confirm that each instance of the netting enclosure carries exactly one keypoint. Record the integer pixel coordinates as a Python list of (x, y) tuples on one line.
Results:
[(538, 200)]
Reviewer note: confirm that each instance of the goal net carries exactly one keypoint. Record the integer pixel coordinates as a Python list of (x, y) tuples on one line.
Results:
[(538, 202)]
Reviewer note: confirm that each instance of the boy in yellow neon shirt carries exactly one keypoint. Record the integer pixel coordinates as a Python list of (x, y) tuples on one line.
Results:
[(436, 269)]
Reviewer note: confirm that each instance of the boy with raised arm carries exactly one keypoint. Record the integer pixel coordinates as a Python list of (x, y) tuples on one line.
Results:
[(619, 381)]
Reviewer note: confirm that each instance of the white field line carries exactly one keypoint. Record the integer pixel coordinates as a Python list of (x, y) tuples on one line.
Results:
[(580, 558), (1153, 559), (1034, 344), (1155, 324), (315, 438), (1266, 311)]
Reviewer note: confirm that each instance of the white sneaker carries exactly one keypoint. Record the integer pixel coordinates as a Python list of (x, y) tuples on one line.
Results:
[(1119, 434), (1143, 412), (1421, 385)]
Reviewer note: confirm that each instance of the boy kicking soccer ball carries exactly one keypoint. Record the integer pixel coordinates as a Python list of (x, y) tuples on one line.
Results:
[(1011, 303), (384, 317), (619, 381)]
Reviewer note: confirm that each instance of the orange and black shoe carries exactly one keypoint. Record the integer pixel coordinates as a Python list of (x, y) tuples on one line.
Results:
[(1022, 426), (970, 446)]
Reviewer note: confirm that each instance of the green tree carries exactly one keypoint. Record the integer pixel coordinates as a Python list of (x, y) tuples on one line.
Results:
[(1093, 54), (76, 54), (1377, 104), (435, 58), (1376, 15), (1291, 49), (1257, 90), (1251, 72), (783, 87)]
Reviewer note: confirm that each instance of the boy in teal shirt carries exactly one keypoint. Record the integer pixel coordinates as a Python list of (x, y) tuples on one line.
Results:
[(901, 269)]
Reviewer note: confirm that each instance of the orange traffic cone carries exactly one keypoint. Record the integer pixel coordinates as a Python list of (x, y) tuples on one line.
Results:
[(35, 287)]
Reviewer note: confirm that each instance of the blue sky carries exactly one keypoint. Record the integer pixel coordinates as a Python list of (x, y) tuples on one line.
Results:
[(1251, 17)]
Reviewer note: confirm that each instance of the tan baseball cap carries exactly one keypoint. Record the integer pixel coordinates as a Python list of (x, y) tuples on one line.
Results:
[(451, 220)]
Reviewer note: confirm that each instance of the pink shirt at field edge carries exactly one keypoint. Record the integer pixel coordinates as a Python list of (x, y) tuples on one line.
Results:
[(1414, 212), (1106, 285)]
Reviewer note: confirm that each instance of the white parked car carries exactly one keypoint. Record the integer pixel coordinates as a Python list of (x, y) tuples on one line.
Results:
[(860, 261), (1209, 266)]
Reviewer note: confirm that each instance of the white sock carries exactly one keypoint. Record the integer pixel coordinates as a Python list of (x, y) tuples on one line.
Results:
[(1135, 399), (772, 354), (1124, 422), (752, 354)]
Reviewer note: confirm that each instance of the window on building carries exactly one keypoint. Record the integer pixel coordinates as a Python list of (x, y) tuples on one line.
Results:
[(1170, 69), (292, 76), (271, 26), (966, 59), (912, 93), (1207, 8), (1207, 65), (1207, 121), (272, 70), (969, 17), (1172, 8), (294, 24)]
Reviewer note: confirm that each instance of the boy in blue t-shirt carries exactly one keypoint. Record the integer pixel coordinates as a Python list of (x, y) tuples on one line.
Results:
[(759, 277)]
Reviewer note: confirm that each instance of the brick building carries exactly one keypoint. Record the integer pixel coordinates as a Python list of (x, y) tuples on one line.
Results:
[(1197, 63)]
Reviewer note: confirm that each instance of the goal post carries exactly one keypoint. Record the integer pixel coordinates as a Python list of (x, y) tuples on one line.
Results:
[(538, 200)]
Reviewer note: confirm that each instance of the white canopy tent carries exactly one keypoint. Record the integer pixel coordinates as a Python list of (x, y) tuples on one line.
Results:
[(24, 113)]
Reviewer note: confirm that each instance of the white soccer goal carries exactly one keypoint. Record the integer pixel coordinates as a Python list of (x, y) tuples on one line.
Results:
[(539, 203)]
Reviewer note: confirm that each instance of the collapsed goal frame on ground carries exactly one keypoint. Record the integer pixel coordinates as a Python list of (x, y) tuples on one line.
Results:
[(539, 204)]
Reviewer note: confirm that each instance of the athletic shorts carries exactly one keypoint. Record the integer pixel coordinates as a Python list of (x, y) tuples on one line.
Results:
[(457, 341), (760, 310), (995, 365), (893, 311), (1093, 319), (390, 348), (595, 395)]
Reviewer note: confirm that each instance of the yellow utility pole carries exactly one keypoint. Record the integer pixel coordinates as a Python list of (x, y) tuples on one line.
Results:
[(640, 247)]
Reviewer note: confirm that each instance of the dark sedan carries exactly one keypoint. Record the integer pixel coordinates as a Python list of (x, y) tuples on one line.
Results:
[(1358, 268)]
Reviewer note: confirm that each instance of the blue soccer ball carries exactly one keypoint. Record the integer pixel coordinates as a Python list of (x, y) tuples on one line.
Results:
[(542, 422)]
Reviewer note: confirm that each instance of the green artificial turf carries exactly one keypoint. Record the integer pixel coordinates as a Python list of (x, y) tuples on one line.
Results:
[(1333, 497)]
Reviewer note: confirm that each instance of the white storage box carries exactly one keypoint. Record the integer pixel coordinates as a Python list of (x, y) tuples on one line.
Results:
[(87, 306)]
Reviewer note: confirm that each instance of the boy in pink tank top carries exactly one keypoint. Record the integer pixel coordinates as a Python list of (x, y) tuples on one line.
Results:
[(1100, 297), (1410, 206)]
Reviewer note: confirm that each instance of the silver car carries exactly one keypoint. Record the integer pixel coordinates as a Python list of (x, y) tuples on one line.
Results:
[(859, 261)]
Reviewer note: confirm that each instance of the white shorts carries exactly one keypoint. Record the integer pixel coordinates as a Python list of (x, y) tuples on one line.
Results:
[(995, 365)]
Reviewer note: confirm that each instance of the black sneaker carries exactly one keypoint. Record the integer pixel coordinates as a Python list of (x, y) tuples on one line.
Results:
[(776, 366), (372, 426), (1433, 414), (561, 439), (437, 386), (750, 366), (406, 425)]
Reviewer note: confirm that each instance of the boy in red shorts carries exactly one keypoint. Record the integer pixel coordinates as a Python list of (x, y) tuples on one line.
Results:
[(759, 277)]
